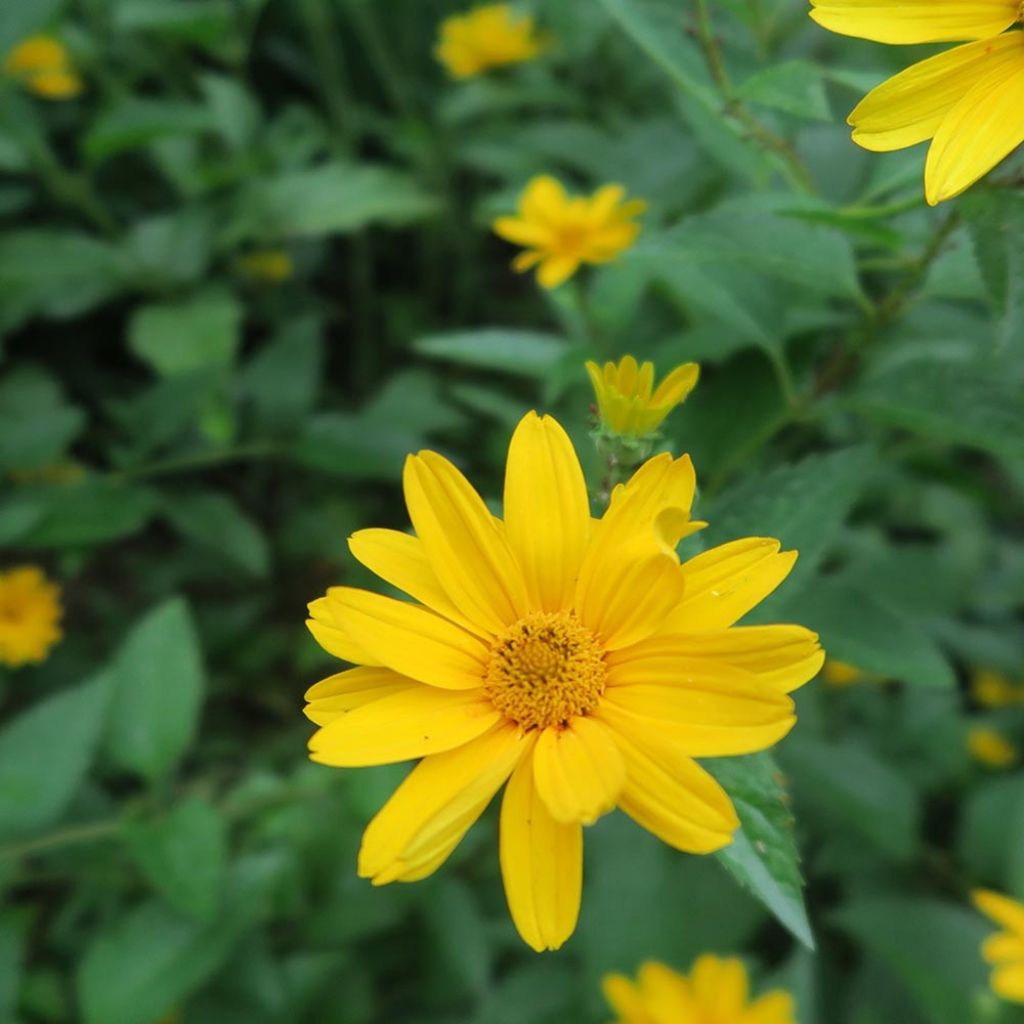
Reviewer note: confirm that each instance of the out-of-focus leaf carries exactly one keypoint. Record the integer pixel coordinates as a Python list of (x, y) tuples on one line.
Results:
[(20, 20), (340, 444), (794, 87), (183, 856), (196, 21), (138, 121), (459, 935), (503, 349), (36, 425), (13, 927), (171, 248), (763, 855), (214, 521), (993, 815), (158, 688), (45, 753), (236, 115)]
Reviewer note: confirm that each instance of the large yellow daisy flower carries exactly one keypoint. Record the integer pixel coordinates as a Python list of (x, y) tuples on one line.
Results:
[(574, 658), (969, 100), (1004, 950)]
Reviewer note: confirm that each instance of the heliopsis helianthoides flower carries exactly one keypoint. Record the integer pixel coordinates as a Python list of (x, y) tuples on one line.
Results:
[(30, 612), (990, 747), (967, 100), (993, 689), (716, 992), (43, 65), (561, 231), (486, 37), (628, 402), (574, 658), (1004, 950)]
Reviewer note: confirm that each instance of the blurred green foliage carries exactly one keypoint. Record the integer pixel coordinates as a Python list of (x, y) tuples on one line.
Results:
[(186, 441)]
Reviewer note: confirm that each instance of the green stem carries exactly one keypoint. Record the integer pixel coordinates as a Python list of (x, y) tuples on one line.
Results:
[(70, 836), (202, 460)]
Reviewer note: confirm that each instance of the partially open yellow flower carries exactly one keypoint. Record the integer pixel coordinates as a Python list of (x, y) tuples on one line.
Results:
[(486, 37), (966, 100), (1005, 950), (629, 404), (30, 613), (574, 658), (716, 992), (271, 266), (560, 231), (993, 689), (43, 65), (990, 747)]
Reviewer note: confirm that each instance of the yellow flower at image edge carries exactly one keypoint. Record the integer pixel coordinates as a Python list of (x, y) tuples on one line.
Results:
[(486, 37), (574, 659), (995, 690), (1005, 950), (560, 231), (42, 64), (990, 747), (629, 404), (716, 991), (967, 100), (30, 613)]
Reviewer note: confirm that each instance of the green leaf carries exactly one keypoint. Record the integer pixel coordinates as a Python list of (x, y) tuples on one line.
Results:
[(795, 87), (502, 349), (199, 332), (136, 122), (214, 521), (340, 444), (171, 249), (763, 855), (20, 20), (158, 680), (36, 426), (45, 753), (195, 21), (183, 856), (989, 834), (13, 933)]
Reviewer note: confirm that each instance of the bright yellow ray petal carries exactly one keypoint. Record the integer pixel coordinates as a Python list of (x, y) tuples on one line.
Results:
[(333, 637), (543, 200), (547, 511), (436, 804), (668, 993), (985, 126), (1001, 909), (603, 203), (541, 864), (405, 725), (909, 107), (578, 771), (719, 986), (467, 551), (1003, 946), (1008, 982), (411, 639), (555, 270), (626, 1000), (522, 232), (916, 21), (344, 691), (772, 1008)]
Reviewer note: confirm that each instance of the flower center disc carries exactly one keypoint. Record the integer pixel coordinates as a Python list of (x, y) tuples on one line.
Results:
[(546, 670)]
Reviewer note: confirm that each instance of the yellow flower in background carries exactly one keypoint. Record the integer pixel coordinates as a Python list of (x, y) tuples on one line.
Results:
[(1005, 950), (43, 65), (574, 658), (271, 266), (990, 747), (629, 404), (992, 689), (716, 992), (560, 231), (30, 613), (966, 100), (486, 37), (841, 673)]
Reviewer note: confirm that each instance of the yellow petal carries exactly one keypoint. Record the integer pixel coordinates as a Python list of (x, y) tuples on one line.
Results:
[(725, 582), (399, 559), (332, 636), (720, 986), (668, 993), (543, 200), (669, 794), (554, 270), (909, 107), (985, 126), (916, 21), (603, 203), (527, 260), (1003, 946), (677, 385), (625, 999), (411, 639), (467, 551), (772, 1008), (522, 232), (541, 864), (1008, 982), (1001, 909), (547, 511), (578, 771), (344, 691), (408, 724), (436, 804)]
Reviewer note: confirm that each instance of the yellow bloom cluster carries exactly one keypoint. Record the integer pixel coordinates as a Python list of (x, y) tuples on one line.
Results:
[(487, 37), (1005, 950), (43, 65), (629, 404), (30, 612)]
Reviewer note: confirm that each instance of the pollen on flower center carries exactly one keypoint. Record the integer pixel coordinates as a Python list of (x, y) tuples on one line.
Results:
[(545, 670)]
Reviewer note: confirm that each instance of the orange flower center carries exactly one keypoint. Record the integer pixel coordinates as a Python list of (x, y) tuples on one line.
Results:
[(546, 669)]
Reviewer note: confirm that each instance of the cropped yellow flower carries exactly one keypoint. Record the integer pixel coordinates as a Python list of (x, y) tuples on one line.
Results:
[(560, 231), (484, 38), (271, 266), (994, 690), (625, 399), (966, 100), (716, 992), (1005, 950), (43, 65), (574, 658), (30, 611), (990, 747)]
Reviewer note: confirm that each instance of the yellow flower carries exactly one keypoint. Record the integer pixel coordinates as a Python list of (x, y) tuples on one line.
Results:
[(30, 611), (486, 37), (994, 690), (716, 992), (841, 673), (624, 398), (966, 100), (560, 231), (574, 658), (1005, 950), (268, 265), (42, 64), (990, 747)]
